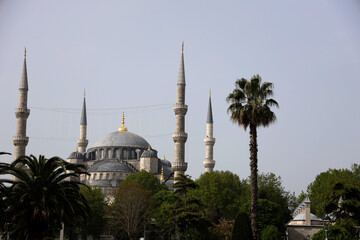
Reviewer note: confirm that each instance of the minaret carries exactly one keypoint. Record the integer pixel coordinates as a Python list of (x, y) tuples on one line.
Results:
[(83, 142), (180, 136), (209, 162), (22, 113)]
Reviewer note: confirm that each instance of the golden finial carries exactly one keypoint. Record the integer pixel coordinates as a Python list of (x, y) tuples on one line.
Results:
[(182, 47), (76, 149), (123, 128), (162, 174), (25, 52)]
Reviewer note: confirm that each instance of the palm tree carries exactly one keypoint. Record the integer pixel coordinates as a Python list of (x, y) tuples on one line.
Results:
[(250, 107), (42, 197)]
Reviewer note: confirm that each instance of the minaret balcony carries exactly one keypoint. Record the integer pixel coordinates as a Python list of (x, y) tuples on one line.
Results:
[(179, 166), (22, 112), (209, 163), (180, 109), (82, 142), (180, 137), (209, 141), (20, 140)]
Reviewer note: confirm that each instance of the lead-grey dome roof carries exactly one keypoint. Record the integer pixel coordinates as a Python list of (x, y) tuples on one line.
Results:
[(110, 166), (76, 155), (149, 154), (122, 139)]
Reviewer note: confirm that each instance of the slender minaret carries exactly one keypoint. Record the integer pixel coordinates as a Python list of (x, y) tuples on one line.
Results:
[(83, 142), (209, 162), (22, 113), (180, 136)]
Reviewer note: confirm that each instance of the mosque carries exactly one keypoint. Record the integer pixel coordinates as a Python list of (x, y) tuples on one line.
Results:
[(118, 154)]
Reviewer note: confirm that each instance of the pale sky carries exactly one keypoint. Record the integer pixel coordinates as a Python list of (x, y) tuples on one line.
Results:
[(126, 54)]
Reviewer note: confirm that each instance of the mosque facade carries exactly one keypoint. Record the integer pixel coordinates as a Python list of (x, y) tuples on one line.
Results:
[(120, 153)]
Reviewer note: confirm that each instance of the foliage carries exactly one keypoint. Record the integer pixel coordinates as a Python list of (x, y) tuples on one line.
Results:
[(348, 207), (94, 225), (41, 197), (241, 228), (268, 215), (250, 107), (223, 229), (271, 233), (4, 193), (147, 180), (130, 209), (165, 202), (221, 193), (335, 232), (187, 214), (320, 191), (270, 188)]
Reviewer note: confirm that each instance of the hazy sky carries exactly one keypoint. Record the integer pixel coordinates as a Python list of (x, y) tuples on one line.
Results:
[(127, 55)]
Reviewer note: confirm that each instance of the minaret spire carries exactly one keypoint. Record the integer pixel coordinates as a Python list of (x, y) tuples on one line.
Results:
[(22, 113), (83, 142), (180, 136), (209, 162)]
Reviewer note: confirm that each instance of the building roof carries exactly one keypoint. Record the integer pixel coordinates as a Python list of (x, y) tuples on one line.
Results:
[(302, 217), (149, 154), (122, 139)]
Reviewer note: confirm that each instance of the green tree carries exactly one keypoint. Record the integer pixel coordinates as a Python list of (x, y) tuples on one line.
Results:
[(130, 210), (4, 193), (147, 180), (334, 232), (166, 202), (242, 227), (271, 233), (94, 225), (42, 197), (320, 191), (250, 107), (268, 215), (183, 184), (270, 188), (221, 193), (188, 215), (348, 207)]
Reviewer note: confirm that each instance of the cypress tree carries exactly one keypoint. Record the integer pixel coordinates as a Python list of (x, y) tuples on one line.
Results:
[(242, 227)]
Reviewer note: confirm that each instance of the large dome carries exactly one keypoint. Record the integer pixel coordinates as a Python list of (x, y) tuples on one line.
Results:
[(122, 139)]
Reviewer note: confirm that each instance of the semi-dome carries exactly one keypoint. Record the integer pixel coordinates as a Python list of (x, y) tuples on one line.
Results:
[(122, 139), (110, 166), (76, 155)]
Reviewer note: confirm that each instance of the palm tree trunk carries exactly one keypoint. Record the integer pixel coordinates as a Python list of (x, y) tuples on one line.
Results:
[(254, 185)]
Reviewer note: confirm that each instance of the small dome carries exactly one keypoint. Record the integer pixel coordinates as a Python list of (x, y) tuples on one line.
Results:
[(165, 163), (122, 139), (149, 154), (110, 166), (76, 155)]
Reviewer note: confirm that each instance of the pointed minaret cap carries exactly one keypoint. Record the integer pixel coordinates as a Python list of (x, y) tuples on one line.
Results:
[(123, 128), (83, 121), (209, 113), (24, 81), (181, 77)]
